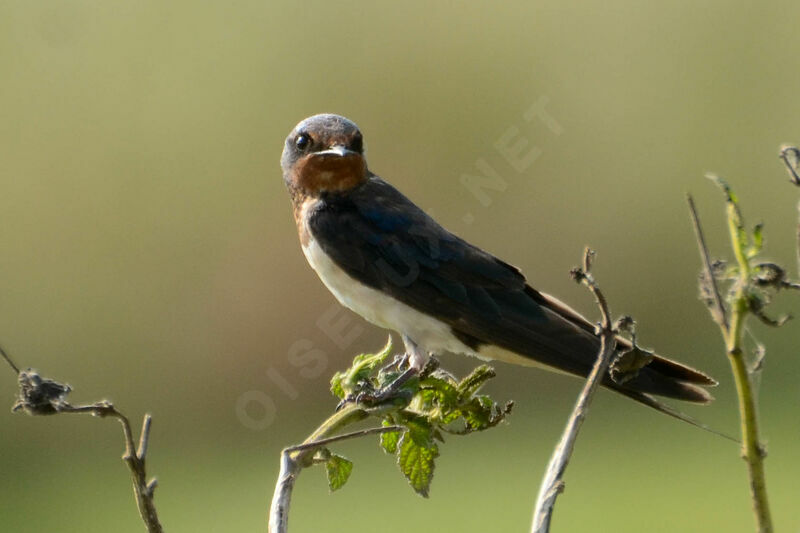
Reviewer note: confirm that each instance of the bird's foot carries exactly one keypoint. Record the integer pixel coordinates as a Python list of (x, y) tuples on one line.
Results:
[(398, 363), (395, 390)]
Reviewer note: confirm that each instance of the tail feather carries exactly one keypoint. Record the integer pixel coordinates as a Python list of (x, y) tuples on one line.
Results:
[(673, 369), (651, 402), (662, 366), (651, 380)]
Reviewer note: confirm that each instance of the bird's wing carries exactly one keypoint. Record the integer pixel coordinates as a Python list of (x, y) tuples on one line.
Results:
[(379, 237)]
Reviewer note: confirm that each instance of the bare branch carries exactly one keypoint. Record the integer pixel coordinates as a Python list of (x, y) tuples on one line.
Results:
[(42, 396), (552, 483), (9, 360), (718, 309), (291, 465), (791, 158), (295, 458), (144, 436)]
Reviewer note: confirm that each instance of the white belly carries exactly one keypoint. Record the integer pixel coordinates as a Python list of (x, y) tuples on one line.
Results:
[(430, 334), (427, 332)]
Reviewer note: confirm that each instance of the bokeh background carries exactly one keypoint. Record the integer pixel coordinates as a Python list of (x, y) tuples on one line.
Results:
[(148, 254)]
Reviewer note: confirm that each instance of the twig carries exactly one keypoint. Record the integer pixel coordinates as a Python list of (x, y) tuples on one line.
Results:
[(753, 452), (552, 483), (718, 309), (344, 436), (41, 396), (291, 466), (142, 488), (791, 158), (9, 360), (295, 458)]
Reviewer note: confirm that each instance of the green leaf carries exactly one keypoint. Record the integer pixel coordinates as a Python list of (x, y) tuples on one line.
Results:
[(739, 238), (345, 383), (437, 399), (336, 385), (475, 380), (478, 414), (758, 241), (481, 413), (338, 469), (420, 431), (722, 184), (445, 391), (416, 463), (364, 364), (390, 439)]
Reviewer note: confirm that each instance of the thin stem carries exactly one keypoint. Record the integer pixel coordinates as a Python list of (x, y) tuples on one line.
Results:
[(791, 158), (753, 451), (294, 459), (9, 360), (348, 415), (552, 483), (42, 396), (718, 310), (732, 332), (344, 436), (142, 489)]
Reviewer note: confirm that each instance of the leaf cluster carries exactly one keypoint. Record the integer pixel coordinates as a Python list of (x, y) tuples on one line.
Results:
[(428, 407), (750, 282)]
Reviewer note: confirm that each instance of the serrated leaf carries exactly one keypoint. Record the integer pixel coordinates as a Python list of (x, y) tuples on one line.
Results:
[(481, 413), (390, 439), (336, 385), (437, 399), (417, 463), (420, 431), (478, 413), (364, 364), (345, 383), (475, 380), (338, 469), (444, 390)]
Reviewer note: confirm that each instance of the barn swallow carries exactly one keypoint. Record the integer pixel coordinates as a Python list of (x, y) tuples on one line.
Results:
[(387, 260)]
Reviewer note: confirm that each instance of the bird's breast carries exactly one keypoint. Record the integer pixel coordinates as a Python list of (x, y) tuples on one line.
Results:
[(383, 310)]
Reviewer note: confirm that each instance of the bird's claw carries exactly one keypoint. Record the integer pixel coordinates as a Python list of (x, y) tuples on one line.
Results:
[(385, 395), (371, 397), (399, 362)]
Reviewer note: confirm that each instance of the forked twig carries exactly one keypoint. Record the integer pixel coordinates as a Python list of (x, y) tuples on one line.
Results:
[(42, 396), (552, 483)]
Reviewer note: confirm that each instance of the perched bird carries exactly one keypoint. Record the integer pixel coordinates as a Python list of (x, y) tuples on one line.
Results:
[(387, 260)]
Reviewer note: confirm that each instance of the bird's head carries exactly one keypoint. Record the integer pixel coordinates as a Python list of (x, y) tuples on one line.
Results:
[(323, 153)]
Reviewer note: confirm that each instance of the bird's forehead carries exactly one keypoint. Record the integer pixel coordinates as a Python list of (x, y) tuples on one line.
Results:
[(327, 124)]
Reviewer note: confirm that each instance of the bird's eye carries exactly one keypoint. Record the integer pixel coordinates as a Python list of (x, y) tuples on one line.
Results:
[(357, 144), (303, 141)]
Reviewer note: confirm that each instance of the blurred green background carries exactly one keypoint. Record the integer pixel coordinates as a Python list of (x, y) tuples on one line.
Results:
[(149, 254)]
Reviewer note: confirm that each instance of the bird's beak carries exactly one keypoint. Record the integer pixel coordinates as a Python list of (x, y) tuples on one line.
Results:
[(336, 151)]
